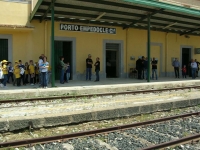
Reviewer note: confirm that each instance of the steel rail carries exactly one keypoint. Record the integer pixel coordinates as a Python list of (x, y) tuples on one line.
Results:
[(90, 133), (175, 142), (92, 95)]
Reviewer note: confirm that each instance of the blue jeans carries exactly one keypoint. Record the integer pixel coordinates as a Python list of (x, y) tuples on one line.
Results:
[(67, 76), (88, 73), (97, 75), (154, 71), (44, 78), (5, 79), (40, 78), (10, 75), (194, 73), (146, 73), (62, 72)]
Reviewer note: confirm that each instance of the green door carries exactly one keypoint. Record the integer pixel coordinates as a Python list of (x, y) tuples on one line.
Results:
[(4, 49), (58, 53)]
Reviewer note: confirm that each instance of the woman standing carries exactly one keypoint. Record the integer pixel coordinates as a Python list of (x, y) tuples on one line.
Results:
[(5, 72), (44, 72)]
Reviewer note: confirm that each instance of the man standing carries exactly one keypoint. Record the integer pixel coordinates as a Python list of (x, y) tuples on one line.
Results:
[(139, 67), (97, 68), (21, 66), (197, 67), (143, 67), (154, 68), (89, 63), (194, 68), (176, 66), (146, 68)]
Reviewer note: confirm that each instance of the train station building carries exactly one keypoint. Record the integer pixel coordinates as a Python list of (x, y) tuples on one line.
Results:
[(113, 30)]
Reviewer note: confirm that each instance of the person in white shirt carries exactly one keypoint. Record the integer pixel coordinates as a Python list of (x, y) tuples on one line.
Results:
[(39, 63), (193, 68), (44, 72)]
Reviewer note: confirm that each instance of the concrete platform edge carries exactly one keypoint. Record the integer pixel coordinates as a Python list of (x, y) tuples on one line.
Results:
[(82, 90), (35, 122)]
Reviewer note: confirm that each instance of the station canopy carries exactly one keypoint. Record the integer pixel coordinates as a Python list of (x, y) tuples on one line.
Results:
[(123, 13)]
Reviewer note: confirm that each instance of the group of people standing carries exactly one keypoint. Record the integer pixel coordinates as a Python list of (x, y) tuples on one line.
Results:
[(89, 64), (65, 69), (192, 68), (22, 74), (142, 68)]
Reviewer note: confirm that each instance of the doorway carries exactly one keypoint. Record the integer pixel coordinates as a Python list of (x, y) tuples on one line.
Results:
[(63, 48), (112, 60), (186, 57), (3, 49)]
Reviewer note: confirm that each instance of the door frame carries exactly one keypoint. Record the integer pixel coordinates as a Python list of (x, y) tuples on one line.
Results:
[(10, 46), (120, 73), (73, 65), (191, 52)]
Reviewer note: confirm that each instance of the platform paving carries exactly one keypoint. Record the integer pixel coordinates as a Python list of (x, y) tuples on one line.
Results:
[(91, 87)]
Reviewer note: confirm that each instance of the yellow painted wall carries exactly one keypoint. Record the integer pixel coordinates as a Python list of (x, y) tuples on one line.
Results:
[(27, 44), (13, 13)]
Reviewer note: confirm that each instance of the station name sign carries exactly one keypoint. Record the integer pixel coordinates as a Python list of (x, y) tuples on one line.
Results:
[(83, 28)]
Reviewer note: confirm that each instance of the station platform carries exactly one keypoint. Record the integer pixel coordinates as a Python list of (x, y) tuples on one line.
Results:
[(59, 112), (91, 87)]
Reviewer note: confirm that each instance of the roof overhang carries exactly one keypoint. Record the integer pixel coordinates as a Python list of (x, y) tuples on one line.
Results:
[(122, 13)]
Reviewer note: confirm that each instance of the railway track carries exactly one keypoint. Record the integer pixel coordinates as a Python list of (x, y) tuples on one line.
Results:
[(185, 118), (97, 95)]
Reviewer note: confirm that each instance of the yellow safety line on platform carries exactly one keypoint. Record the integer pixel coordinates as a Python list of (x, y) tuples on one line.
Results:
[(91, 104)]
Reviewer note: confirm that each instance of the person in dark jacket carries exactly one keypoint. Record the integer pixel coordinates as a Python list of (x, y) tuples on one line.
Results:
[(142, 65), (97, 68), (89, 63), (146, 68), (139, 67)]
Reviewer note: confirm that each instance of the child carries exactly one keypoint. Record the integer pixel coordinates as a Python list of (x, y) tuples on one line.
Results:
[(10, 72), (184, 70), (67, 72), (26, 72), (15, 80), (17, 75), (1, 75), (5, 72), (32, 72)]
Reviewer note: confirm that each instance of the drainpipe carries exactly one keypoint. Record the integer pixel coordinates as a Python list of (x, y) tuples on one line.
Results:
[(126, 53), (52, 45), (166, 52), (149, 45), (45, 38)]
